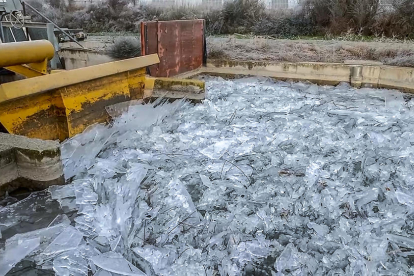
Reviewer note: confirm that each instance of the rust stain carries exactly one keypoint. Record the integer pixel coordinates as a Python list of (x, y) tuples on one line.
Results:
[(179, 44), (43, 124)]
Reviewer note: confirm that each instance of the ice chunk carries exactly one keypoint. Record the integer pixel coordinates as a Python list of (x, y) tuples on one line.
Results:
[(46, 236), (405, 199), (403, 241), (11, 256), (84, 192), (69, 239), (288, 260), (179, 196), (70, 263), (115, 242), (321, 230), (60, 192), (216, 150), (60, 219), (161, 259), (114, 262), (206, 181), (75, 262), (312, 174)]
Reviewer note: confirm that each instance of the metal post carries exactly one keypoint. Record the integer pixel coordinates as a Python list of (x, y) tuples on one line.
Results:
[(1, 33), (51, 37), (50, 21)]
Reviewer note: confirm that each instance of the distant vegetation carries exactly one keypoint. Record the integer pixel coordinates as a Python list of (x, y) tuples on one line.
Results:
[(314, 18), (125, 47)]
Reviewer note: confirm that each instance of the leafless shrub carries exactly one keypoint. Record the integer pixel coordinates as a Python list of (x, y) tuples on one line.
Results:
[(338, 16), (348, 19), (240, 16), (397, 22)]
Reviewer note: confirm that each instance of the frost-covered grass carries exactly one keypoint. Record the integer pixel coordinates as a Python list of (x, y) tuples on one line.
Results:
[(259, 48), (261, 178)]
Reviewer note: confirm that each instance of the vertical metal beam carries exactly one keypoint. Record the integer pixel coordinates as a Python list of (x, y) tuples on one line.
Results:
[(52, 38), (204, 44), (1, 33)]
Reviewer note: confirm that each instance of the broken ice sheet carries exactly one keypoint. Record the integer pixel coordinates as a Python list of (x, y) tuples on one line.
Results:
[(321, 230), (354, 145), (116, 263), (69, 239), (161, 259), (75, 262), (216, 150), (179, 196), (46, 236), (12, 255), (293, 260)]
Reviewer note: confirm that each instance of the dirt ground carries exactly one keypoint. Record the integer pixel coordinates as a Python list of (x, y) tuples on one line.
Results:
[(396, 53)]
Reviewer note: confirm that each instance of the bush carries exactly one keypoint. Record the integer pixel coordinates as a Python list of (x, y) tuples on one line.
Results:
[(338, 16), (285, 25), (317, 17), (240, 16), (125, 47)]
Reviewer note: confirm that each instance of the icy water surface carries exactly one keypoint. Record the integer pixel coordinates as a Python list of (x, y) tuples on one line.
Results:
[(262, 178)]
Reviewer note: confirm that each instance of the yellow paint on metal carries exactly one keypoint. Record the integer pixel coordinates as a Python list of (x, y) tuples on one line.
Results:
[(30, 70), (63, 104), (34, 116), (88, 107), (17, 53), (32, 86)]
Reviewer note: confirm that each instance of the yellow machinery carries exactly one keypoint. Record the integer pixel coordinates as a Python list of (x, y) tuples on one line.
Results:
[(58, 105)]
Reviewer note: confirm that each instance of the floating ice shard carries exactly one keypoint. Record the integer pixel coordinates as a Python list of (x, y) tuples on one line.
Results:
[(215, 151), (321, 230), (405, 199), (288, 260), (69, 239), (11, 256), (161, 259), (319, 177), (46, 235), (206, 181), (114, 262), (70, 263)]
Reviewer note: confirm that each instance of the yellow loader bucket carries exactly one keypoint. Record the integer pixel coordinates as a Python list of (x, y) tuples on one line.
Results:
[(61, 105)]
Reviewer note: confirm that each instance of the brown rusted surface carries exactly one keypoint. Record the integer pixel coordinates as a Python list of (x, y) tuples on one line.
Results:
[(179, 44)]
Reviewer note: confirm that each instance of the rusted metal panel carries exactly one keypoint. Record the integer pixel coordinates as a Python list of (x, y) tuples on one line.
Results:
[(179, 44)]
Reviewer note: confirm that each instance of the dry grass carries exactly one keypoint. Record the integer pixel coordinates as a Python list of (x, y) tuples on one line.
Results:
[(262, 49)]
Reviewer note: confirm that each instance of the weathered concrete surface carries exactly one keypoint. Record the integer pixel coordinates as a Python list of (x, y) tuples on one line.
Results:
[(30, 163), (357, 73), (79, 58), (172, 88)]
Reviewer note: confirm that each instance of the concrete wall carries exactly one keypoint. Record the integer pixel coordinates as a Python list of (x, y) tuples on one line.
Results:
[(78, 58), (358, 73), (30, 163)]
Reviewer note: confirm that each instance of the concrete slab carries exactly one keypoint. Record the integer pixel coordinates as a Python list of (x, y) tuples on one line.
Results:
[(29, 163)]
